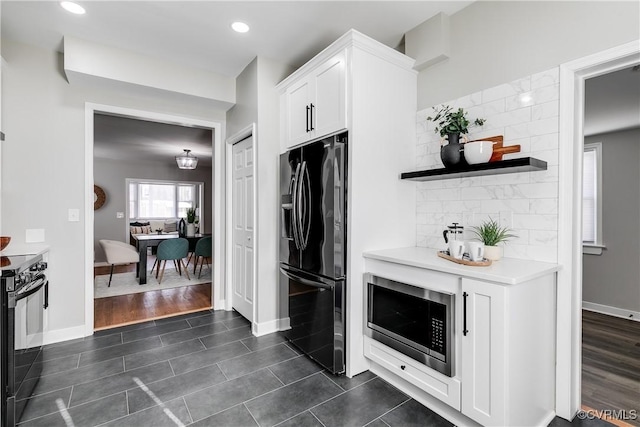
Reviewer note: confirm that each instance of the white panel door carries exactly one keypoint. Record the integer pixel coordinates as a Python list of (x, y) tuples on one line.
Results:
[(243, 230), (483, 352)]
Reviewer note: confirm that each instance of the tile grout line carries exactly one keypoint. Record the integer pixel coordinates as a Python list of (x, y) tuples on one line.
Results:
[(254, 418), (277, 377), (314, 416), (188, 411), (391, 410)]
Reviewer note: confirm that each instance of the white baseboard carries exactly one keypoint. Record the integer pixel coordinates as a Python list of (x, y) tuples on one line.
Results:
[(611, 311), (265, 328), (284, 324), (59, 335)]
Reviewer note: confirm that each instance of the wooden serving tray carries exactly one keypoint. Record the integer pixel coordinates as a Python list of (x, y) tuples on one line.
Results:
[(483, 263), (498, 149)]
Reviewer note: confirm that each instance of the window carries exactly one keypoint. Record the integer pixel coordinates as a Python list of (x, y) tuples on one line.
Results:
[(163, 199), (592, 199)]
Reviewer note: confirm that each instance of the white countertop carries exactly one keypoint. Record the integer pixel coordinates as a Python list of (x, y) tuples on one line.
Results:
[(508, 271), (25, 249)]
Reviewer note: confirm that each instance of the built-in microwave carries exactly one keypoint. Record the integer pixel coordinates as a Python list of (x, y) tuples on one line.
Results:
[(415, 321)]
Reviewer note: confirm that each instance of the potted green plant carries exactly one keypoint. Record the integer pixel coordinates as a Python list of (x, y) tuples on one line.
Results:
[(452, 124), (491, 234), (191, 219)]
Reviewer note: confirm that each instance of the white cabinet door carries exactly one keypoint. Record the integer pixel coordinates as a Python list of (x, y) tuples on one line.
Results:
[(483, 352), (298, 113), (315, 106), (328, 111), (243, 213)]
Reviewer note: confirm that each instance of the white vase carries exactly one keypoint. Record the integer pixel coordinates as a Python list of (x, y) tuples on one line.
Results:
[(191, 230), (493, 253)]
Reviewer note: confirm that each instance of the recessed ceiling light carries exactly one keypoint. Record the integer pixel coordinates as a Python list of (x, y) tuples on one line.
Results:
[(240, 27), (73, 7)]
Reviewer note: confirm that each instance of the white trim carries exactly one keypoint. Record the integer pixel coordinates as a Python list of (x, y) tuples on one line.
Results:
[(568, 313), (597, 147), (591, 249), (248, 131), (218, 195), (59, 335), (612, 311), (265, 328)]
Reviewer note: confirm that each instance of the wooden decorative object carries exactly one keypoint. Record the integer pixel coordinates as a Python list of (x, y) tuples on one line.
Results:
[(99, 197), (483, 263), (498, 149)]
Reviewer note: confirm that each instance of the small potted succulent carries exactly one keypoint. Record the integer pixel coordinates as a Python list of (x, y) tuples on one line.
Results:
[(452, 124), (491, 234)]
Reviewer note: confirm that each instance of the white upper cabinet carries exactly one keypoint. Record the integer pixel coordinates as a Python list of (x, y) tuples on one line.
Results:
[(314, 106)]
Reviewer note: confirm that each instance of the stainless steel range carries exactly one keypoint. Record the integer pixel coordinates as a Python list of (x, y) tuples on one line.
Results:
[(23, 298)]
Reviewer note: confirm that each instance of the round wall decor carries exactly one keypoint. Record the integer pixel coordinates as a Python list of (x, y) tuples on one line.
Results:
[(99, 197)]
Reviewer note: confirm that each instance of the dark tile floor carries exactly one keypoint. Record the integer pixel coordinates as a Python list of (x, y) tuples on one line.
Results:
[(205, 369)]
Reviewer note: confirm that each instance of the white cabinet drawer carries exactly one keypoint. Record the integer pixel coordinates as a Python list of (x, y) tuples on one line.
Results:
[(440, 386)]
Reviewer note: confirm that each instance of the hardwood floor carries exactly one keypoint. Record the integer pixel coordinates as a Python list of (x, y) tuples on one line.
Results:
[(611, 364), (135, 308)]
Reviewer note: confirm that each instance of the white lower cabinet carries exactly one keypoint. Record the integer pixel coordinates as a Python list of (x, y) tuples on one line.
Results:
[(440, 386), (505, 351), (483, 352)]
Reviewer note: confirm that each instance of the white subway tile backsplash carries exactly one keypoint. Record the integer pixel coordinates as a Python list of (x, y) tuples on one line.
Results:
[(544, 142), (535, 221), (545, 110), (545, 78), (526, 201), (543, 206)]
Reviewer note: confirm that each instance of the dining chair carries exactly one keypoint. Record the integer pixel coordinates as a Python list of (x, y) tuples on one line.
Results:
[(118, 253), (172, 249), (202, 251)]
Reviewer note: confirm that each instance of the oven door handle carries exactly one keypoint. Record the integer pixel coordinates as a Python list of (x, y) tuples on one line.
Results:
[(306, 279), (42, 282)]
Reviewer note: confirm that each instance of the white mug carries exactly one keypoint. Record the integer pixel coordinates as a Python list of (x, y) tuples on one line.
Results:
[(476, 251), (456, 248)]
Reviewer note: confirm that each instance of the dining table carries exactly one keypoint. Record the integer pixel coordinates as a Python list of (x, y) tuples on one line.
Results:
[(144, 241)]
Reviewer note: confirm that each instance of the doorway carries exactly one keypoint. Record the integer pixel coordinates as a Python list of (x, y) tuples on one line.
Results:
[(611, 282), (569, 321), (215, 192)]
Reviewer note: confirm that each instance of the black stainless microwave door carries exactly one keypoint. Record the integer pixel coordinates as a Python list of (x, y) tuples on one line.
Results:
[(321, 207)]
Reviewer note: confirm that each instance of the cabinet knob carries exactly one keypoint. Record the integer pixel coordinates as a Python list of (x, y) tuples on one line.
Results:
[(403, 367)]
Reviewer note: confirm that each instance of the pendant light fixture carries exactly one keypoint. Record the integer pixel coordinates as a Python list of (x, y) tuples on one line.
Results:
[(187, 161)]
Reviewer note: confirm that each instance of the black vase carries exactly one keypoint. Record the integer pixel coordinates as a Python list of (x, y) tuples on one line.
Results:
[(452, 154)]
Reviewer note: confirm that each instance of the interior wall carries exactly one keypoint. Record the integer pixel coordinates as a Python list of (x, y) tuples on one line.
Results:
[(258, 102), (493, 42), (613, 278), (111, 175), (44, 116)]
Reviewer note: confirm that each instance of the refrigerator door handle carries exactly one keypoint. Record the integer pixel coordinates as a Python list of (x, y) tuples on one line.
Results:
[(294, 210), (299, 204), (306, 218), (305, 279)]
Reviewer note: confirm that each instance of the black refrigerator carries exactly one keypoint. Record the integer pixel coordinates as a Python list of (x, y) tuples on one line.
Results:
[(313, 221)]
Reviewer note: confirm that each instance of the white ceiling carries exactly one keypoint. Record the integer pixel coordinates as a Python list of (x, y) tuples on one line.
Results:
[(612, 102), (198, 33)]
